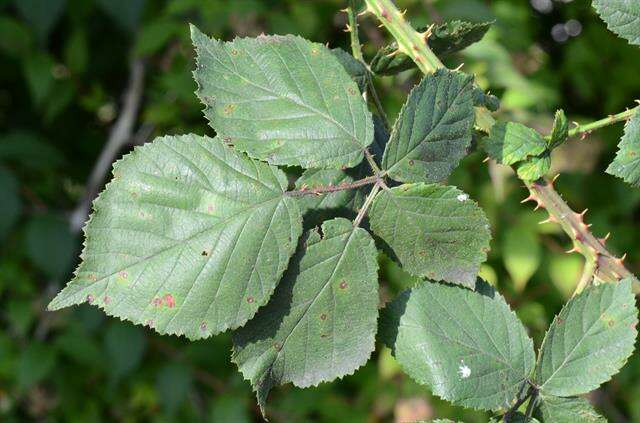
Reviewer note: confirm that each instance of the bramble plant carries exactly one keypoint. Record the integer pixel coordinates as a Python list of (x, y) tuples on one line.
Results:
[(196, 236)]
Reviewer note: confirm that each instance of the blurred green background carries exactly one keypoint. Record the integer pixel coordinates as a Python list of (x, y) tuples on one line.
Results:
[(71, 75)]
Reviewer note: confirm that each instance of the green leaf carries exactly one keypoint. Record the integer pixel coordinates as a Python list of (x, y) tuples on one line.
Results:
[(433, 131), (534, 167), (282, 99), (589, 341), (467, 346), (626, 165), (560, 131), (321, 322), (622, 17), (509, 143), (568, 410), (189, 238), (435, 231), (446, 38), (356, 69)]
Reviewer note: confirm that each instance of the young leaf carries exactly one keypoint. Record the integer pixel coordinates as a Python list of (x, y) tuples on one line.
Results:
[(622, 17), (568, 410), (435, 231), (509, 143), (321, 322), (446, 38), (433, 131), (282, 99), (589, 341), (534, 167), (189, 238), (560, 131), (626, 165), (468, 347)]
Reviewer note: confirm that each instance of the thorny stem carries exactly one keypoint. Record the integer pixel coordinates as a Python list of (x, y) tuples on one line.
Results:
[(609, 120), (324, 189), (367, 203), (356, 51), (606, 266), (414, 44), (410, 42)]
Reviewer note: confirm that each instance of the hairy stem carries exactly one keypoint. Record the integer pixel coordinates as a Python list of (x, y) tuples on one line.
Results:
[(367, 203), (414, 44), (605, 265), (586, 129), (325, 189)]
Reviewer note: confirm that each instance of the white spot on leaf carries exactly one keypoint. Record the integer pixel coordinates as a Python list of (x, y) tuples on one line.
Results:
[(464, 371), (462, 197)]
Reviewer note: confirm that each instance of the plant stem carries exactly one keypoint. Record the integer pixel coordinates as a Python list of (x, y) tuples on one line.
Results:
[(367, 203), (532, 403), (352, 28), (414, 44), (356, 51), (605, 265), (609, 120), (324, 189)]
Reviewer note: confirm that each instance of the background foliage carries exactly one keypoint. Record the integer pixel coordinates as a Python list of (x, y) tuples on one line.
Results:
[(64, 67)]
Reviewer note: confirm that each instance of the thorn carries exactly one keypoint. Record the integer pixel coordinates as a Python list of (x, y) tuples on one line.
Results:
[(584, 212), (620, 261), (348, 29), (364, 12), (486, 160), (538, 206), (529, 198), (604, 240), (426, 34), (345, 10), (550, 219), (459, 67), (381, 25), (576, 124), (573, 250), (393, 53), (404, 12)]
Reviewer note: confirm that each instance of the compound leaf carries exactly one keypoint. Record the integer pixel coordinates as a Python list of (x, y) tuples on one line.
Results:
[(511, 142), (446, 38), (622, 17), (321, 322), (467, 346), (282, 99), (189, 238), (435, 231), (626, 165), (589, 341), (434, 129), (534, 167), (568, 410)]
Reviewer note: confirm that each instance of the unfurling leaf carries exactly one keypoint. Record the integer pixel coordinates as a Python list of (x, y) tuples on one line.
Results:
[(589, 341), (560, 131), (433, 131), (445, 39), (622, 17), (282, 99), (189, 238), (435, 231), (322, 319), (626, 165), (568, 410), (509, 143), (467, 346)]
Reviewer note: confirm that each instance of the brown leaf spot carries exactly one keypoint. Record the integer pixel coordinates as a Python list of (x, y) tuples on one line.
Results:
[(314, 51), (229, 108), (343, 284), (277, 346), (123, 274), (203, 327), (92, 277), (90, 298), (157, 301), (351, 90), (323, 316), (204, 253), (250, 300), (107, 299), (234, 52), (411, 162)]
